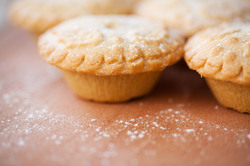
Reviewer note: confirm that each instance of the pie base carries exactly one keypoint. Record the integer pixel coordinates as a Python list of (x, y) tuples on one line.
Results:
[(114, 88), (231, 95)]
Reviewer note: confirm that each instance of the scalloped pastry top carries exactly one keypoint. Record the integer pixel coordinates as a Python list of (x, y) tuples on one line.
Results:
[(111, 45), (221, 53)]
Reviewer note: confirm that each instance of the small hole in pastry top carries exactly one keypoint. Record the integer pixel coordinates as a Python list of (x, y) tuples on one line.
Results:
[(111, 25)]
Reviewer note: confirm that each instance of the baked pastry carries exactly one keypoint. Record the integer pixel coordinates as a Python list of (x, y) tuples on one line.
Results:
[(222, 56), (111, 58), (191, 16), (39, 15)]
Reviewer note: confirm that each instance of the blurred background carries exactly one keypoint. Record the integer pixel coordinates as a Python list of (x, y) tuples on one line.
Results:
[(3, 12)]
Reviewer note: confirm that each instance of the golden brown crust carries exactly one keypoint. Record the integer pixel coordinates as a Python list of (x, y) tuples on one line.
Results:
[(190, 16), (221, 53), (231, 95), (117, 88), (111, 45), (40, 15)]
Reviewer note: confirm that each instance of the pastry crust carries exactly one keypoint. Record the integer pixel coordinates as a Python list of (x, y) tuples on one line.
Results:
[(111, 45), (190, 16), (231, 95), (221, 53), (117, 88), (39, 15)]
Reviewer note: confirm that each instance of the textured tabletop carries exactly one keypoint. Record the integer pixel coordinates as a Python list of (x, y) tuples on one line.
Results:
[(43, 123)]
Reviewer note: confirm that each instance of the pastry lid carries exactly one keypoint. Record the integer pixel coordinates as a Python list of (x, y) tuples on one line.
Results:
[(191, 16), (40, 15), (111, 45), (221, 53)]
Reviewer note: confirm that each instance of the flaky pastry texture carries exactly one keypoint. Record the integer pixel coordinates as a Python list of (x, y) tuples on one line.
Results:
[(40, 15), (110, 45), (221, 53), (190, 16)]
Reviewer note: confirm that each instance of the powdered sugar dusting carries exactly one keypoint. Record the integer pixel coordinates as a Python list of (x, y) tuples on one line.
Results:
[(42, 122), (36, 124), (189, 130)]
